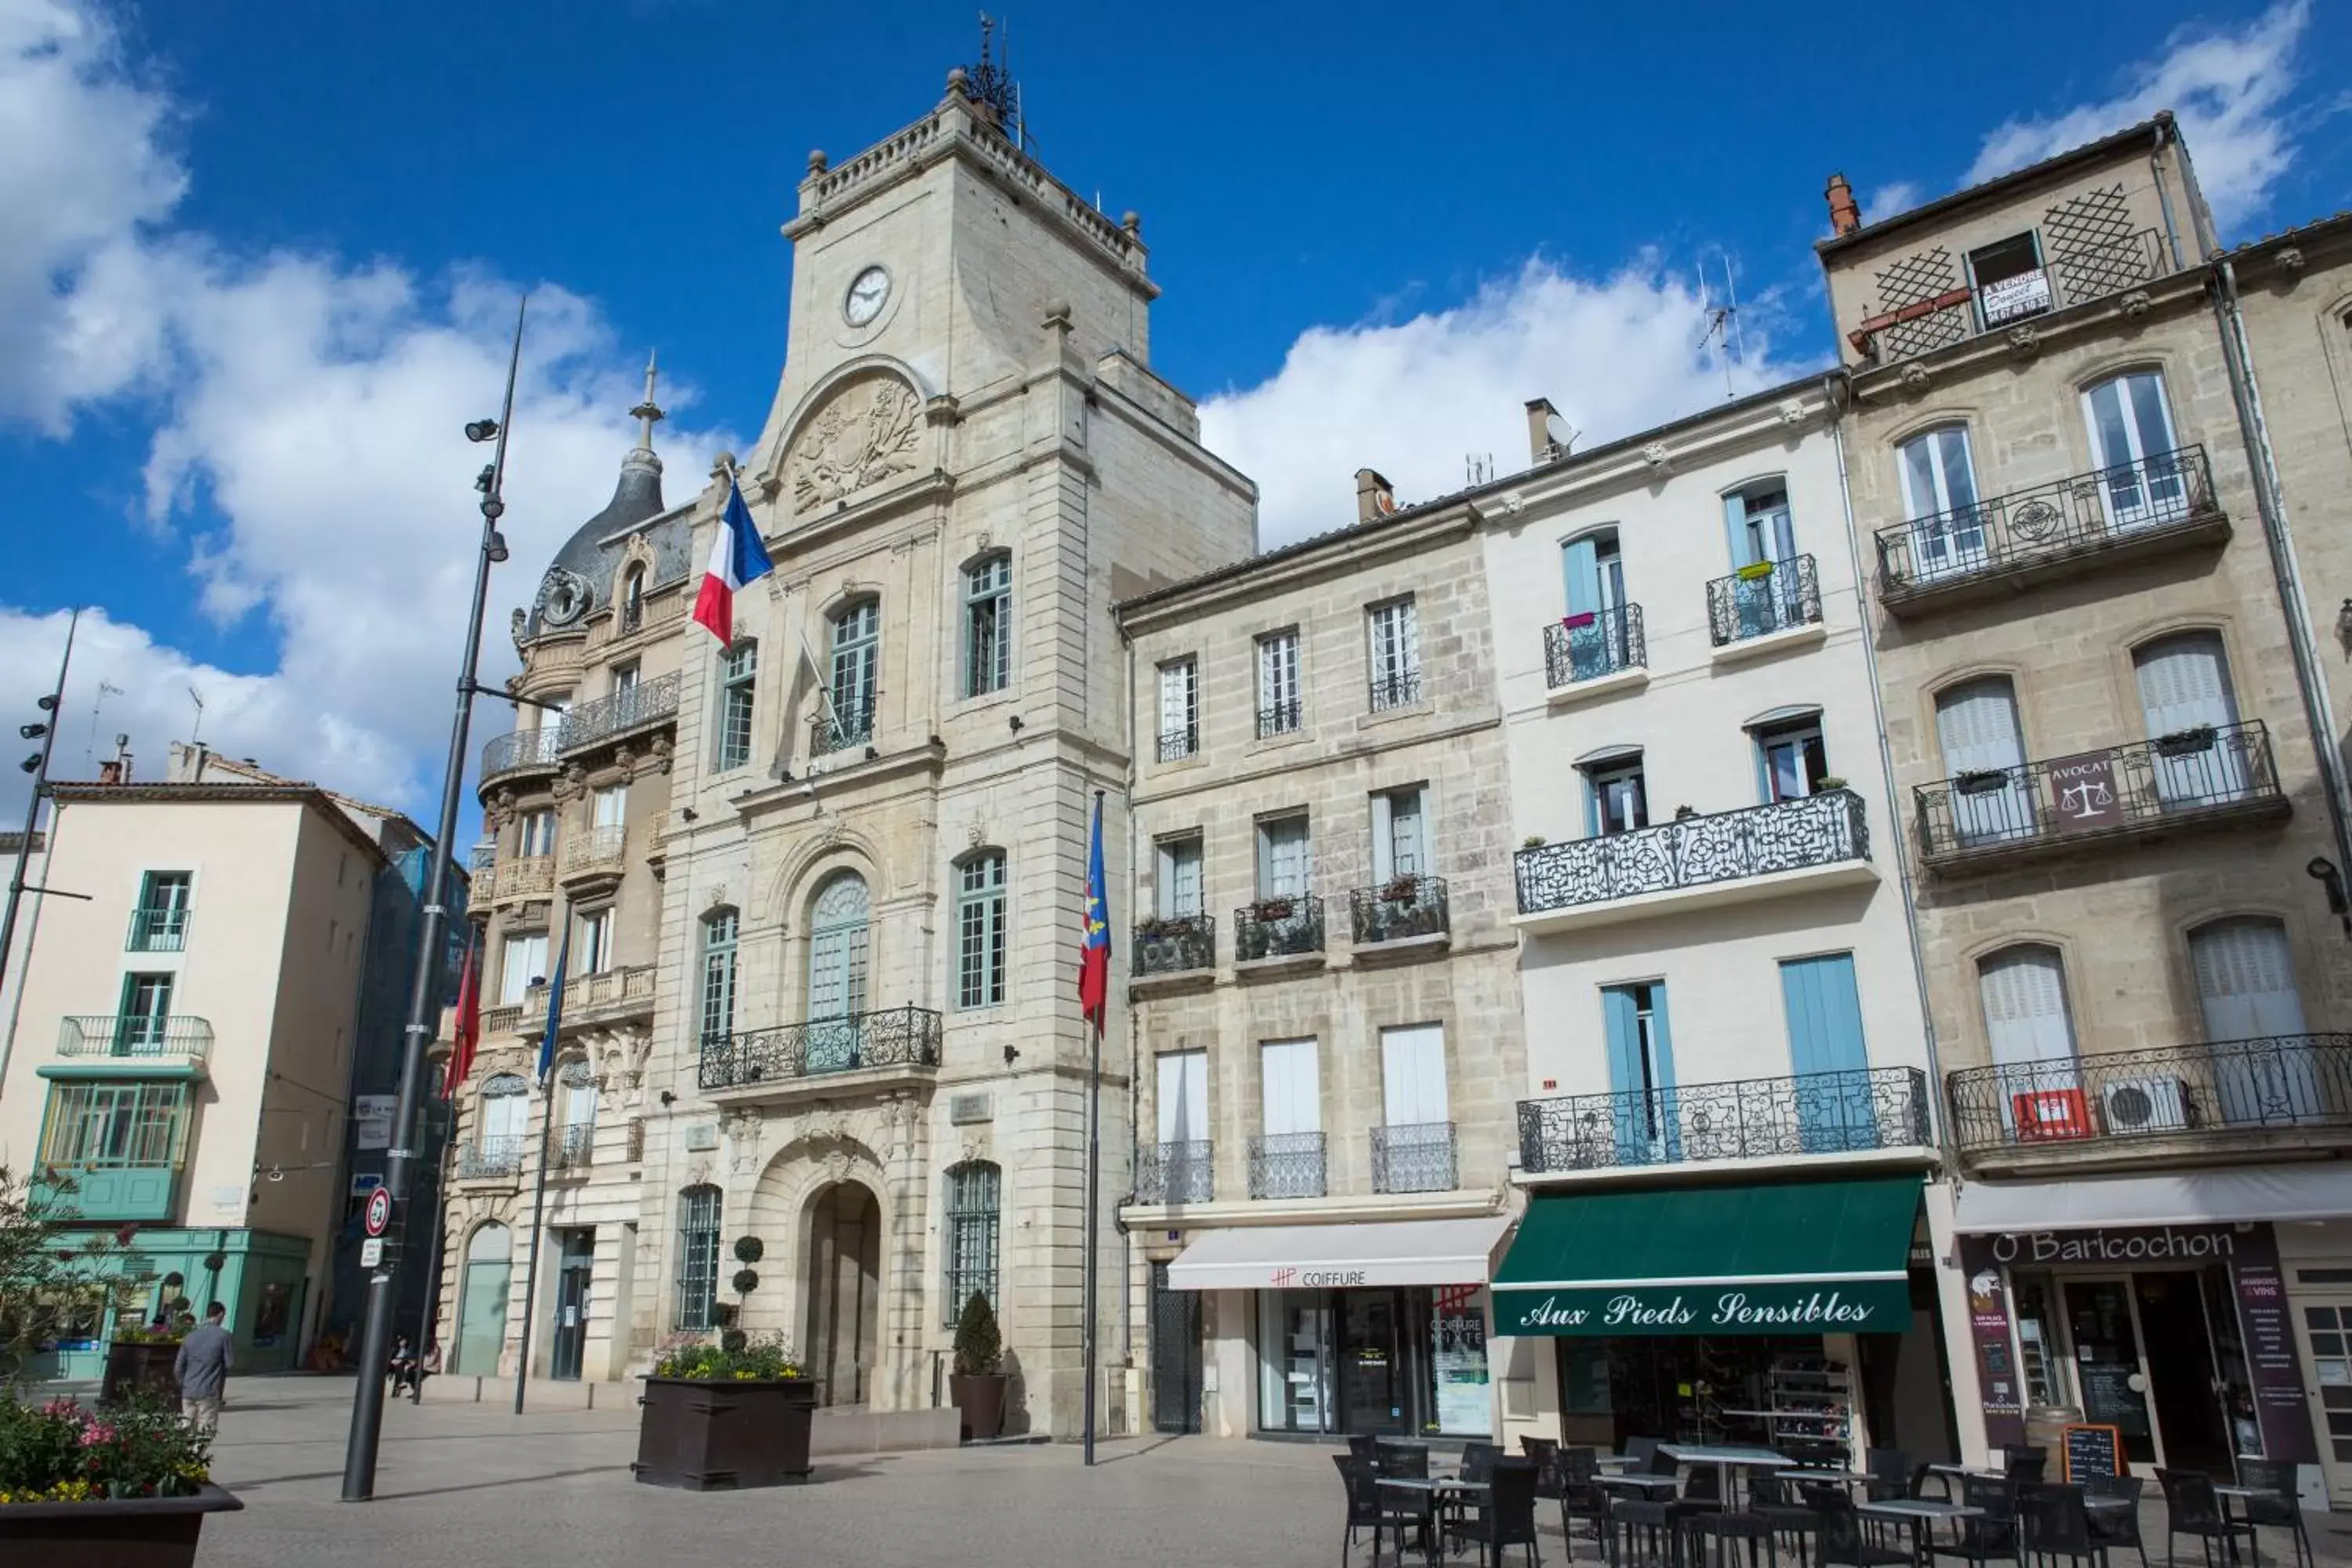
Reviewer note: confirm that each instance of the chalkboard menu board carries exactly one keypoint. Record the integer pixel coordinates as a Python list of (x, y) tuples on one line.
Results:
[(2094, 1451)]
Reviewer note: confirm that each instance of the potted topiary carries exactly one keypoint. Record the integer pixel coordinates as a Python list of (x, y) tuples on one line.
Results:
[(81, 1487), (977, 1384), (725, 1417)]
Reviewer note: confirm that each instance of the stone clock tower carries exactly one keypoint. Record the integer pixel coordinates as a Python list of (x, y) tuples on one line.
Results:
[(867, 1026)]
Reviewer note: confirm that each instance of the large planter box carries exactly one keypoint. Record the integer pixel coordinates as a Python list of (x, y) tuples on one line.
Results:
[(717, 1437), (140, 1368), (979, 1402), (135, 1532)]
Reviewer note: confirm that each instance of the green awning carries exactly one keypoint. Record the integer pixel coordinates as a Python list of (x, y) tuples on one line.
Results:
[(1787, 1258)]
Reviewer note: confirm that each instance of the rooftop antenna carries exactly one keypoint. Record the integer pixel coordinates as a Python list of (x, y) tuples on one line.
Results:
[(197, 697), (1478, 466), (106, 689), (1723, 321), (990, 84)]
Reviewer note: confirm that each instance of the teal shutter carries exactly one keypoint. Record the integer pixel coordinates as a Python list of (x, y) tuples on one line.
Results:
[(1630, 1110), (1583, 576), (1669, 1128), (1735, 530), (1827, 1053)]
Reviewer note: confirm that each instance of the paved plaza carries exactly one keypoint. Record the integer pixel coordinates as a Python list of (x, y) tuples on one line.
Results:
[(471, 1484)]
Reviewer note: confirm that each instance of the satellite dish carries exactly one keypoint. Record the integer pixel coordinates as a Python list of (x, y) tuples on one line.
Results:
[(1559, 432)]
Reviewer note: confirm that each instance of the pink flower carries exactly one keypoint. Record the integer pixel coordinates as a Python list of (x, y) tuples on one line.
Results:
[(97, 1433)]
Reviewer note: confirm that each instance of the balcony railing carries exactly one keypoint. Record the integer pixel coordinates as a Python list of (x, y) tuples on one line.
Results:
[(1175, 745), (1403, 907), (1596, 643), (158, 927), (1281, 719), (142, 1037), (1175, 1172), (571, 1147), (601, 848), (523, 877), (1843, 1112), (893, 1037), (1397, 689), (1416, 1157), (2217, 1093), (1175, 944), (2065, 520), (482, 857), (843, 730), (1287, 1166), (2214, 770), (647, 703), (1694, 851), (1282, 927), (522, 750), (499, 1154), (2093, 271), (1756, 601)]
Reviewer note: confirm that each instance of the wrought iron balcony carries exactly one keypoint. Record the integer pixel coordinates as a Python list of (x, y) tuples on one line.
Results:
[(1281, 719), (139, 1036), (1175, 1172), (1175, 944), (1940, 312), (1746, 1119), (842, 730), (1397, 689), (523, 877), (1756, 601), (158, 927), (2050, 529), (1596, 643), (2213, 773), (647, 703), (499, 1154), (2226, 1094), (1175, 745), (1288, 925), (1819, 831), (572, 1147), (1416, 1157), (891, 1037), (1285, 1165), (1412, 905), (521, 751)]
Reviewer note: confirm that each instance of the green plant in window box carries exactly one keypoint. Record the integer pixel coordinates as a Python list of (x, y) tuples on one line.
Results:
[(1276, 909), (1402, 890), (1754, 572), (1829, 782)]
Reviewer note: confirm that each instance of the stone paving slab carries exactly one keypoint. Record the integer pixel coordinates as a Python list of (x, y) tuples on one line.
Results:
[(470, 1485)]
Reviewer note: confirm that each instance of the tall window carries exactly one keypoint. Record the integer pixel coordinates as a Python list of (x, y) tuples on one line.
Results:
[(498, 1130), (608, 811), (596, 941), (2038, 1090), (1399, 845), (1791, 757), (108, 1126), (1641, 1045), (972, 1199), (1278, 706), (625, 677), (1395, 655), (1179, 709), (717, 975), (1285, 857), (535, 833), (979, 931), (856, 666), (2186, 698), (633, 600), (738, 679), (573, 1144), (1178, 881), (1984, 752), (1939, 498), (160, 923), (987, 627), (2131, 434), (523, 961), (146, 1014), (698, 1258), (1616, 795), (840, 937)]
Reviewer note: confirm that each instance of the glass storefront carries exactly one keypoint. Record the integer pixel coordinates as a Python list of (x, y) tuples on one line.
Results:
[(1768, 1390), (1408, 1361)]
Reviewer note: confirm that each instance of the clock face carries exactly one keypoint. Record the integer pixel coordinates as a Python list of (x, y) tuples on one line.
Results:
[(867, 291)]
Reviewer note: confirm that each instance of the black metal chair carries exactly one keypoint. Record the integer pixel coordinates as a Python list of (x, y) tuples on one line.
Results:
[(1639, 1450), (1506, 1517), (1662, 1462), (1537, 1448), (2191, 1508), (1581, 1497), (1992, 1533), (1715, 1535), (1404, 1461), (2024, 1465), (2278, 1506), (1479, 1461), (2052, 1523), (1841, 1540), (1367, 1506), (1890, 1473), (1703, 1487), (1365, 1446), (2114, 1527), (1643, 1534), (1771, 1499)]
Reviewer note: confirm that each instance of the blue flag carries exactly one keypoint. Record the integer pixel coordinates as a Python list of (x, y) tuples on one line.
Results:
[(554, 1004)]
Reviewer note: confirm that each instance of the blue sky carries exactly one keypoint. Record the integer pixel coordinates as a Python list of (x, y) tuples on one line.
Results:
[(263, 253)]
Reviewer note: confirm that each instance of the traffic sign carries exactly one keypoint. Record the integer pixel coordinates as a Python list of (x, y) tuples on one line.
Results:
[(379, 1211), (371, 1252)]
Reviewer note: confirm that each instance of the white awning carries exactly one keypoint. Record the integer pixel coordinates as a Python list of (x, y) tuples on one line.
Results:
[(1321, 1256), (2286, 1193)]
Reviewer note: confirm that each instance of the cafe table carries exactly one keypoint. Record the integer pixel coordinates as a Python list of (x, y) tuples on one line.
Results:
[(1922, 1514), (1725, 1459)]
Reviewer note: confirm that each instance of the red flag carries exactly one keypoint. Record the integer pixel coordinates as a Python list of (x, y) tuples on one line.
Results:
[(468, 1026), (1094, 957)]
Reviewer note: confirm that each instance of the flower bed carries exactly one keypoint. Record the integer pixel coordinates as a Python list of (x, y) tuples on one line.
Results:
[(87, 1487)]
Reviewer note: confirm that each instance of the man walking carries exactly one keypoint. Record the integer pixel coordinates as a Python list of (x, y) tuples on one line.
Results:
[(205, 1358)]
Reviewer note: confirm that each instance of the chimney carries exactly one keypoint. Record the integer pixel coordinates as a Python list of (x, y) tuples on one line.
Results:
[(110, 772), (1541, 448), (1375, 497), (1844, 216)]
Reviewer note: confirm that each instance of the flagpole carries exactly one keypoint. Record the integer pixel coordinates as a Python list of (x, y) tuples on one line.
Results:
[(537, 1215), (1094, 1160)]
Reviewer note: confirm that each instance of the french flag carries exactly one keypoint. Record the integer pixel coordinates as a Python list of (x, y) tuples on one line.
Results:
[(736, 558)]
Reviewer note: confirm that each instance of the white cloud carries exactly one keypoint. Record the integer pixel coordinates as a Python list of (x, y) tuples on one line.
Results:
[(2229, 86), (1896, 196), (1412, 398)]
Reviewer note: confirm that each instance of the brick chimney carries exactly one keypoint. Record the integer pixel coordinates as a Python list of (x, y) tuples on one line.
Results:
[(1540, 447), (1375, 497), (1844, 216)]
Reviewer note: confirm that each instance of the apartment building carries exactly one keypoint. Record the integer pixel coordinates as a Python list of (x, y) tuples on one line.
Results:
[(2110, 792), (1324, 1024)]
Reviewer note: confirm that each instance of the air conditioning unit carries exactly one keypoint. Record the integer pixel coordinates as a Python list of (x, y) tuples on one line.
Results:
[(2145, 1105)]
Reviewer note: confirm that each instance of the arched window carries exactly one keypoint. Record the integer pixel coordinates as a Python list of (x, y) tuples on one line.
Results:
[(980, 930), (632, 599), (738, 679), (848, 718), (2200, 757), (2132, 441), (2036, 1087), (1947, 531), (718, 1008), (1984, 753), (840, 943), (482, 1300), (698, 1257), (571, 1147), (972, 1201), (987, 627)]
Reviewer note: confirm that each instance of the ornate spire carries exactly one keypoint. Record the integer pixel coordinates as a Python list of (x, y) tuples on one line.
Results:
[(646, 414)]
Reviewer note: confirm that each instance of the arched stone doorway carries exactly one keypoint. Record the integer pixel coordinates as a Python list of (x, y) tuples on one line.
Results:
[(845, 1291)]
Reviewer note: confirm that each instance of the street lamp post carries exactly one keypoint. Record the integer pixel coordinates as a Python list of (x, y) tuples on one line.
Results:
[(424, 992), (45, 730)]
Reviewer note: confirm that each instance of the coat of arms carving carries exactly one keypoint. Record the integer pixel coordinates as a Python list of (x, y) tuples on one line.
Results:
[(866, 433)]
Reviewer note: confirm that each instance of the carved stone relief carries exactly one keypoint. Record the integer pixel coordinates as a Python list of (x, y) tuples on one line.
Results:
[(868, 431)]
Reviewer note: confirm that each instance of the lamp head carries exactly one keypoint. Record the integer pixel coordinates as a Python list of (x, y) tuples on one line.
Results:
[(480, 430), (48, 702), (497, 546), (31, 765), (32, 731)]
